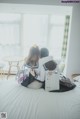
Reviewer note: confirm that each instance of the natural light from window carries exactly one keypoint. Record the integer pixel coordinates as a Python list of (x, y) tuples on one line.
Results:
[(18, 32)]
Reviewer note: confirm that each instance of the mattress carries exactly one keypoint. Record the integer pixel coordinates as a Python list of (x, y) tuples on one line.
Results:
[(23, 103)]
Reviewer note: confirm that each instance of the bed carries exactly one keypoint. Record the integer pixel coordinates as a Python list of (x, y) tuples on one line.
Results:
[(23, 103)]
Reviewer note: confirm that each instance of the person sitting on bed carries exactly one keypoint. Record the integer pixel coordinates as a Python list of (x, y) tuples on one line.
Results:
[(45, 60), (46, 63), (31, 66)]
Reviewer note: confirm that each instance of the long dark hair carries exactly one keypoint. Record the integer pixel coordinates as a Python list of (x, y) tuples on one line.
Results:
[(34, 51)]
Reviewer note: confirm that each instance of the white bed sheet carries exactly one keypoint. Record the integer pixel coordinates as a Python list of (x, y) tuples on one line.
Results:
[(23, 103)]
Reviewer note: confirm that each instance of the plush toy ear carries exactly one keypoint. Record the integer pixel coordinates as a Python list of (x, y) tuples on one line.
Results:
[(50, 65)]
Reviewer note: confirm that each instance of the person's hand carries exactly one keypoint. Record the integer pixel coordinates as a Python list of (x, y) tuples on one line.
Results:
[(32, 72)]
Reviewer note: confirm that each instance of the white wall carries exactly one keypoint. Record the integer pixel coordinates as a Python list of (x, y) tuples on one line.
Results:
[(73, 57)]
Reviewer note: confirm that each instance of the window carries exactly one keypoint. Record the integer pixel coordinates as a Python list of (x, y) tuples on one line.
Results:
[(9, 29), (56, 34), (45, 31), (9, 34), (19, 32)]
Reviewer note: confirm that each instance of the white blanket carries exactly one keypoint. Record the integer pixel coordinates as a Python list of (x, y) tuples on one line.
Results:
[(23, 103)]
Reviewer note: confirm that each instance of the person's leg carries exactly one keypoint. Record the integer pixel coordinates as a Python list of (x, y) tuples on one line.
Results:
[(28, 80), (25, 82)]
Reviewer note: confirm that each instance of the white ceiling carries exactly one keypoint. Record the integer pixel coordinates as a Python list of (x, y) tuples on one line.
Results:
[(36, 9)]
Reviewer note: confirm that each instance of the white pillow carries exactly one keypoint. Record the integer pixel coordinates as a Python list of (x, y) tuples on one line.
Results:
[(35, 85)]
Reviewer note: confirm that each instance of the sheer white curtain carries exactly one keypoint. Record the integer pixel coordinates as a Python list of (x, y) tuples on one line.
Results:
[(34, 31), (56, 34), (9, 40), (9, 35), (45, 31)]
